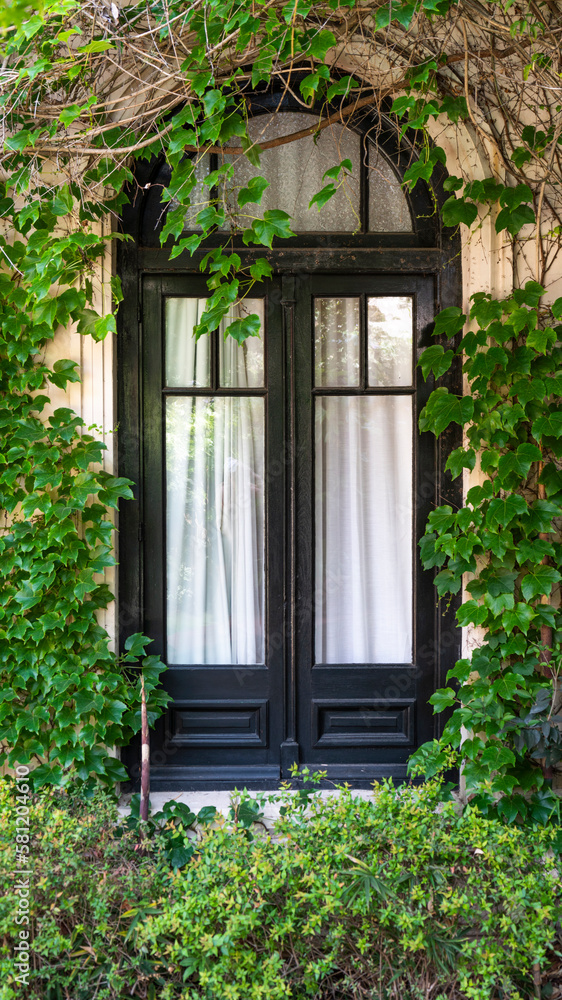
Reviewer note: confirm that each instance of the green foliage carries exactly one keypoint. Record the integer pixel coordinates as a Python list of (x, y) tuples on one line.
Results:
[(89, 888), (352, 897), (65, 697), (358, 898), (506, 539)]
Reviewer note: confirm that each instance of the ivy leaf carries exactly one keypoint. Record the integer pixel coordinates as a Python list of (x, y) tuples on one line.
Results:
[(64, 371), (521, 618), (548, 425), (457, 210), (514, 219), (539, 580), (261, 268), (341, 87), (246, 326), (541, 340), (274, 223), (494, 757), (502, 512), (115, 489), (448, 582), (441, 519), (323, 196), (449, 322), (528, 389), (530, 295), (435, 359), (320, 44), (98, 45), (429, 556), (253, 192), (472, 613), (442, 699), (444, 408), (135, 646), (508, 685), (460, 459), (551, 477)]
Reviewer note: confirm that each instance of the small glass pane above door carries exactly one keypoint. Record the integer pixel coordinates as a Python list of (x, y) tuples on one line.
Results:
[(241, 365), (187, 361), (363, 529), (336, 342), (390, 340)]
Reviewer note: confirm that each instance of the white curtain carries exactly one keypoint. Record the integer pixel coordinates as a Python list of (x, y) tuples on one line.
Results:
[(363, 511), (215, 511)]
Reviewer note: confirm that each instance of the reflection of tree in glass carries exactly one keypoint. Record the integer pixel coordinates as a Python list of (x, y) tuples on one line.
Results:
[(389, 321), (336, 341)]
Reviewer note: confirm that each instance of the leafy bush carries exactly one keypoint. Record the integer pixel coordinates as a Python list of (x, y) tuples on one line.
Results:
[(86, 877), (357, 899), (396, 898)]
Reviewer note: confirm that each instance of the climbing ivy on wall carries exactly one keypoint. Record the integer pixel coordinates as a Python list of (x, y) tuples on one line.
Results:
[(85, 89), (505, 721)]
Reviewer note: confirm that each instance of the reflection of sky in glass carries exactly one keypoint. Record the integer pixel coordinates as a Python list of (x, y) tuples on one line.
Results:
[(390, 341), (336, 342)]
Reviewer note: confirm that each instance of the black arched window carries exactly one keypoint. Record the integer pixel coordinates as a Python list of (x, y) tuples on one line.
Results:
[(271, 551)]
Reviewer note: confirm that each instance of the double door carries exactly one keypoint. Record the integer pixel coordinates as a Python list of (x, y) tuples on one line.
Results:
[(285, 487)]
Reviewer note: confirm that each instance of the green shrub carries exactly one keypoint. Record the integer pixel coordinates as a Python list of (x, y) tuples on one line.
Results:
[(397, 899), (88, 883), (363, 900)]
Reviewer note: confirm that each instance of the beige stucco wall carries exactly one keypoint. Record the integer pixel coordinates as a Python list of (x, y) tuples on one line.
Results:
[(93, 399)]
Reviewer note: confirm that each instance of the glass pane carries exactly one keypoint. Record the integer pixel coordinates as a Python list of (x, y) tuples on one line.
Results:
[(390, 340), (200, 194), (241, 365), (388, 207), (363, 529), (215, 530), (187, 361), (295, 171), (336, 342)]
